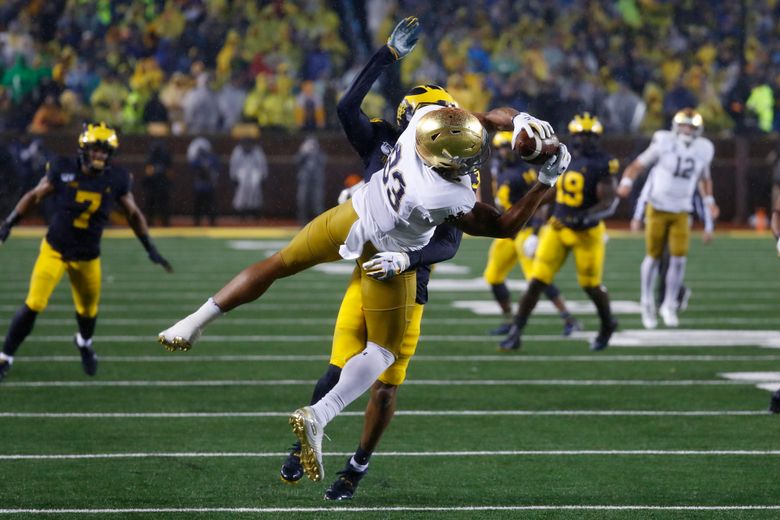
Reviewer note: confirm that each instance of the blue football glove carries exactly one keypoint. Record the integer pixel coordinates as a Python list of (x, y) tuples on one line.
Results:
[(404, 37)]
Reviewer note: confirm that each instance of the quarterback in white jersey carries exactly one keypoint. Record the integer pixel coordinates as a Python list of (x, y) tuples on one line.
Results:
[(679, 163), (424, 183)]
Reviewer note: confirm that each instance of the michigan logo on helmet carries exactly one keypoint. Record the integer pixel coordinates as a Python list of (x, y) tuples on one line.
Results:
[(502, 139), (100, 136), (688, 117), (419, 96), (451, 141), (585, 122)]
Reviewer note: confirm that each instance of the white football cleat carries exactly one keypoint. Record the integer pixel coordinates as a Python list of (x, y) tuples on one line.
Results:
[(669, 315), (180, 337), (309, 432), (649, 320)]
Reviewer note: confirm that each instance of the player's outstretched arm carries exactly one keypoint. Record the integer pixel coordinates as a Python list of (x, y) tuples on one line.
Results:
[(138, 224), (630, 174), (28, 201)]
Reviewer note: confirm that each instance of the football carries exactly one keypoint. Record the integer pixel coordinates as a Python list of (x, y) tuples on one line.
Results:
[(535, 149)]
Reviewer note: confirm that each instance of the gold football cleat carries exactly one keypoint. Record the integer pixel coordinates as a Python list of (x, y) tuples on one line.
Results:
[(309, 433), (177, 343)]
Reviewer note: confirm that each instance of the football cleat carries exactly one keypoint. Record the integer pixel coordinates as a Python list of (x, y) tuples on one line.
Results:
[(649, 320), (292, 470), (512, 341), (5, 366), (601, 341), (309, 432), (774, 402), (344, 487), (89, 360), (501, 330), (683, 297), (570, 326), (669, 315), (179, 337)]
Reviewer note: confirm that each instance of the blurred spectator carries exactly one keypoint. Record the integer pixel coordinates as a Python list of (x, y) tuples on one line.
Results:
[(624, 110), (155, 111), (248, 170), (108, 100), (761, 102), (172, 96), (676, 99), (49, 116), (157, 184), (230, 101), (9, 180), (205, 167), (309, 109), (311, 180), (201, 112)]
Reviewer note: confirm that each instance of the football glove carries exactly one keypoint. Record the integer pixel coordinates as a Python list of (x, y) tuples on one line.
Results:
[(554, 166), (5, 230), (347, 193), (157, 258), (529, 123), (384, 266), (530, 245), (404, 37)]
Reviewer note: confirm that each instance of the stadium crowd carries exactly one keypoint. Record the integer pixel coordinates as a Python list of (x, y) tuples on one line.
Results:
[(208, 66)]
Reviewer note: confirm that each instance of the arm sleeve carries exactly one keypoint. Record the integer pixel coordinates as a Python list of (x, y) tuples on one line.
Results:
[(651, 155), (443, 246), (356, 124)]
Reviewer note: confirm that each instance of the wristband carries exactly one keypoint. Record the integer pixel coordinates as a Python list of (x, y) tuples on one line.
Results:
[(625, 181), (709, 200)]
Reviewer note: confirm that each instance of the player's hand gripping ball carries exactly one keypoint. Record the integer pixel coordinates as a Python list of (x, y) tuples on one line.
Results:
[(536, 148)]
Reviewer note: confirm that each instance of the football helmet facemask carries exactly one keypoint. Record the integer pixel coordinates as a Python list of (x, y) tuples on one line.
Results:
[(687, 124), (420, 96), (451, 141), (97, 136), (585, 131)]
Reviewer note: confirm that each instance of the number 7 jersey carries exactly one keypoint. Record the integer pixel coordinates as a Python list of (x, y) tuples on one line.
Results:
[(82, 205), (401, 205), (676, 170)]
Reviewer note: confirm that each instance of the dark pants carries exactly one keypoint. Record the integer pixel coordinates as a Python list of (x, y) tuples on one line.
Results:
[(205, 205)]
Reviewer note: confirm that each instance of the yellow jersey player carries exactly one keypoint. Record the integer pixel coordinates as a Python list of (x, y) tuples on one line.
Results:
[(512, 178), (679, 162), (85, 191), (584, 196), (424, 183)]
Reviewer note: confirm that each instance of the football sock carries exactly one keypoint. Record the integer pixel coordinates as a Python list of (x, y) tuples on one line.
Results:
[(600, 299), (360, 458), (649, 271), (86, 330), (565, 315), (552, 292), (674, 278), (81, 342), (501, 294), (21, 326), (207, 313), (357, 376), (528, 302), (325, 383)]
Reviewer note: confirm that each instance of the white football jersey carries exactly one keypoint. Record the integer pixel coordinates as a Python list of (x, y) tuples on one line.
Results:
[(676, 169), (401, 205)]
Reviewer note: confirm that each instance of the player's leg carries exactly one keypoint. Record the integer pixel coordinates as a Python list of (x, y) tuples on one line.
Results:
[(589, 262), (502, 257), (85, 288), (388, 308), (679, 238), (656, 230), (46, 274), (549, 258), (349, 339), (316, 243), (774, 402), (379, 413)]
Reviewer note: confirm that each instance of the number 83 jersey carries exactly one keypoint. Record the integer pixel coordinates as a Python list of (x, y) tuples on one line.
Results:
[(82, 205), (677, 168), (576, 190)]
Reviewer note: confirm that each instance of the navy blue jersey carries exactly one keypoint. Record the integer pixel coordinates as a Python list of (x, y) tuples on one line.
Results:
[(511, 181), (374, 139), (82, 204), (576, 190)]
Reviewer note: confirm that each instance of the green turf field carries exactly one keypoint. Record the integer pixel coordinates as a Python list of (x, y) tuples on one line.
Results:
[(657, 426)]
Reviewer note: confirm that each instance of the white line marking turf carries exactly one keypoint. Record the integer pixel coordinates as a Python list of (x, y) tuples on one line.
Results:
[(412, 509)]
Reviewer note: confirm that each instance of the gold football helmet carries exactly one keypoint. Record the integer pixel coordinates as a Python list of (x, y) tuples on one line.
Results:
[(97, 136), (502, 139), (691, 118), (585, 123), (419, 96), (451, 141)]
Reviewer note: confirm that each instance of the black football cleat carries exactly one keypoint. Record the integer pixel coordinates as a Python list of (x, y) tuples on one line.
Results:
[(512, 341), (344, 487), (570, 326), (774, 403), (89, 360), (601, 341), (292, 469), (501, 330), (5, 366)]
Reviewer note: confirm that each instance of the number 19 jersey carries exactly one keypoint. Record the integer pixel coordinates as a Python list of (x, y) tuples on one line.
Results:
[(676, 170), (401, 205)]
